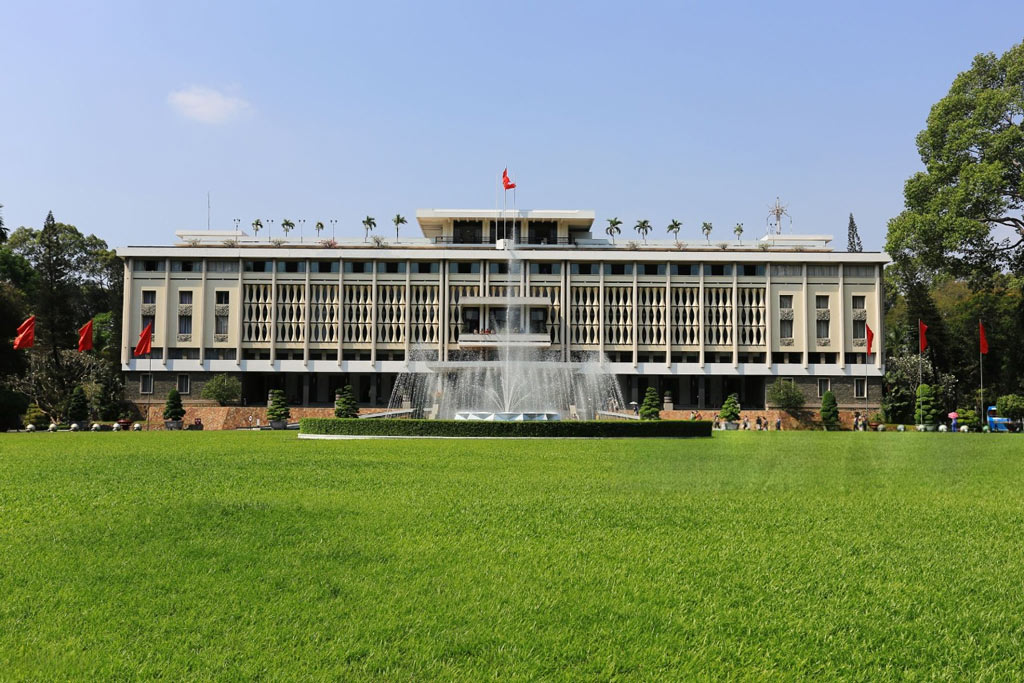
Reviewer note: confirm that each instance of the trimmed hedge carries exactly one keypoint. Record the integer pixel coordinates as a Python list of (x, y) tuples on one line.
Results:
[(399, 427)]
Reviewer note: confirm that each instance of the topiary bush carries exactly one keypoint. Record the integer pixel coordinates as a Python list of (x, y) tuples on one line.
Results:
[(173, 410), (969, 418), (650, 409), (278, 410), (829, 411), (926, 412), (36, 417), (345, 404), (382, 426), (730, 411), (223, 389), (785, 395), (78, 406)]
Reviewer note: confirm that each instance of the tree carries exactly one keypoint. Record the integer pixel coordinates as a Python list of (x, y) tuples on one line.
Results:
[(706, 229), (1011, 406), (173, 410), (78, 407), (36, 417), (369, 223), (319, 227), (3, 229), (963, 212), (901, 373), (345, 403), (257, 225), (398, 220), (650, 409), (49, 385), (643, 227), (287, 226), (674, 227), (223, 389), (108, 392), (279, 411), (785, 395), (730, 411), (613, 228), (738, 231), (853, 237), (926, 413), (829, 410)]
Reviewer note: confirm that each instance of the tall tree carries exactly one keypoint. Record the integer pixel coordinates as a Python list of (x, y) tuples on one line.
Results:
[(853, 237), (398, 220), (643, 227), (964, 211), (613, 228), (3, 229), (369, 223), (674, 227)]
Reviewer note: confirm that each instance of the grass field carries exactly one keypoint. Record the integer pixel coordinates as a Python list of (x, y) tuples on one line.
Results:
[(248, 555)]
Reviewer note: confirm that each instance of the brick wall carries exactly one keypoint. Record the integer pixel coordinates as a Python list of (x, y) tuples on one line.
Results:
[(232, 417)]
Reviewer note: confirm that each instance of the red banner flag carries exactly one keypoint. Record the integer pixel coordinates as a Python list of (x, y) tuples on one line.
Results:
[(26, 334), (983, 341), (506, 181), (922, 330), (85, 337), (145, 344), (871, 338)]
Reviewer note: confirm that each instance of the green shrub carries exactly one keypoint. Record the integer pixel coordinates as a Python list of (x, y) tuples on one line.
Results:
[(1011, 406), (78, 406), (381, 426), (651, 407), (926, 413), (173, 410), (969, 418), (278, 410), (345, 403), (829, 410), (785, 395), (730, 411), (35, 416), (223, 389)]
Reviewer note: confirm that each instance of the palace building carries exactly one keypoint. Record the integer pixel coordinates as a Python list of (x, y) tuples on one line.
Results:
[(699, 320)]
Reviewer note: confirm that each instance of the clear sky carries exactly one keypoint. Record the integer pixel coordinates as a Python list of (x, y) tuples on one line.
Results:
[(120, 117)]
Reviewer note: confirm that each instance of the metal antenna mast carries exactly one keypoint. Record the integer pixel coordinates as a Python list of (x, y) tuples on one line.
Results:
[(775, 214)]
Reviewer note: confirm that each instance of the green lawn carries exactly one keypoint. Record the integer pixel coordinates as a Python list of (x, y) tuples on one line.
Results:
[(245, 555)]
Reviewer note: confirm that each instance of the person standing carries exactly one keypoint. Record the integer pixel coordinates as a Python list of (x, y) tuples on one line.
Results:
[(778, 424)]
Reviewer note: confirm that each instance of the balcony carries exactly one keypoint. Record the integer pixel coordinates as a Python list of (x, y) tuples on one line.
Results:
[(515, 340)]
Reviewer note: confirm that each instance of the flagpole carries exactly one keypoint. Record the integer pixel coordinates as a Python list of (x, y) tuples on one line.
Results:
[(152, 387), (981, 372), (867, 359)]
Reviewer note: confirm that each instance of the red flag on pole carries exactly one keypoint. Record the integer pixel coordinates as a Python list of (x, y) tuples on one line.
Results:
[(983, 341), (871, 338), (26, 334), (922, 329), (145, 344), (85, 337), (506, 181)]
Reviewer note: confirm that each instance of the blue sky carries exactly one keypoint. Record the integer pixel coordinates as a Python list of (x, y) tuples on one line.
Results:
[(120, 117)]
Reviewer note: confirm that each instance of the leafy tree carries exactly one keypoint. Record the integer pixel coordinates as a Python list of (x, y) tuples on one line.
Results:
[(706, 229), (223, 389), (3, 228), (650, 409), (738, 230), (674, 227), (969, 418), (287, 226), (398, 220), (926, 412), (786, 396), (36, 417), (173, 410), (1011, 406), (643, 227), (345, 404), (613, 228), (369, 223), (50, 387), (78, 406), (829, 410), (108, 395), (853, 243), (279, 411), (257, 225), (730, 411), (963, 212), (901, 372)]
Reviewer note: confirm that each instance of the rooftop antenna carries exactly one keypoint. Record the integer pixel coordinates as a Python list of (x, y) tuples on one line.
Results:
[(775, 214)]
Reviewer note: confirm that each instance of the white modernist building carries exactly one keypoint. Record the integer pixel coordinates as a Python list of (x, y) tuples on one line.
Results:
[(697, 320)]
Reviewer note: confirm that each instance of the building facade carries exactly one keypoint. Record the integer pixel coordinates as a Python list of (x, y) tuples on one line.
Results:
[(696, 320)]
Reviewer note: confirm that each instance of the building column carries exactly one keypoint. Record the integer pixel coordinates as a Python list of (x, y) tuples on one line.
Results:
[(126, 314), (734, 314), (305, 388), (700, 318), (810, 321)]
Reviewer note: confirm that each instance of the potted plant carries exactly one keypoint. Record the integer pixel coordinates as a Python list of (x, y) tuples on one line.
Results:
[(173, 410), (730, 412), (926, 414), (278, 412), (829, 412)]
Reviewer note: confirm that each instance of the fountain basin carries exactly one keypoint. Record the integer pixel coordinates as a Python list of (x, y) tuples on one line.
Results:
[(507, 417)]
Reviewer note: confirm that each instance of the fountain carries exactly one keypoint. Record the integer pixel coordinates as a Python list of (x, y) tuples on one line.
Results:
[(505, 372)]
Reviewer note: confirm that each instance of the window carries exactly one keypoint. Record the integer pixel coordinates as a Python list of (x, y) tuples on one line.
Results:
[(185, 296), (684, 268), (358, 267), (257, 266), (543, 232), (822, 329), (860, 329), (184, 324), (785, 329), (391, 267), (860, 387), (147, 321), (222, 266), (824, 384), (859, 271), (785, 301), (220, 324), (822, 271), (146, 384), (425, 267), (858, 303), (821, 301), (717, 269), (291, 266), (222, 298), (545, 268), (618, 269), (323, 267), (149, 296), (502, 267), (183, 384), (651, 268), (186, 266), (787, 270), (148, 265), (468, 232), (584, 269), (751, 269), (538, 320), (464, 267)]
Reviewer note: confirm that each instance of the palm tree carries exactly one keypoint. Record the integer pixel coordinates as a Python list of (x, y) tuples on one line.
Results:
[(613, 228), (257, 225), (674, 228), (369, 223), (399, 219), (706, 229), (319, 227), (287, 226), (643, 227), (3, 230), (738, 230)]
